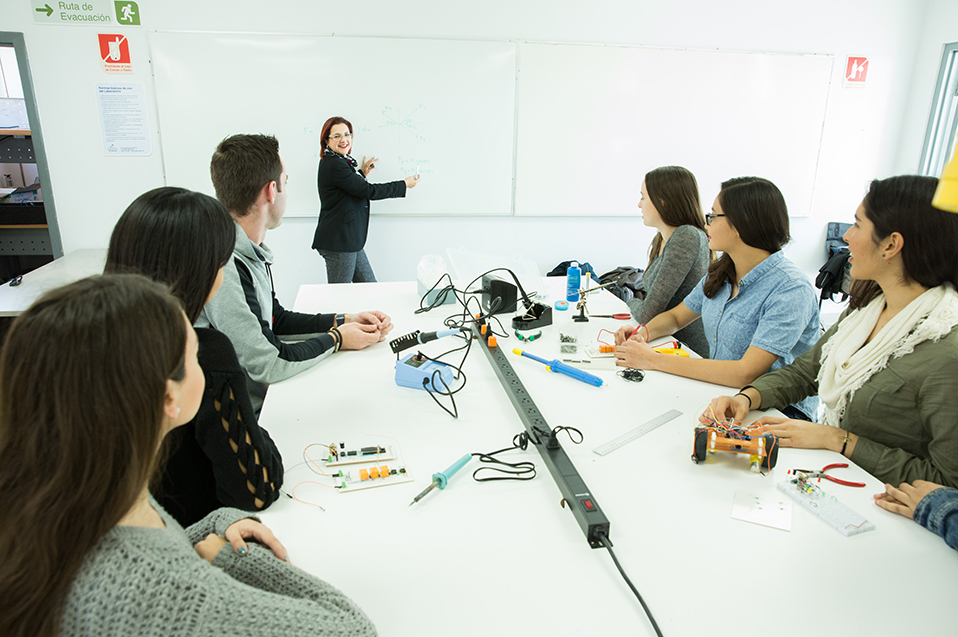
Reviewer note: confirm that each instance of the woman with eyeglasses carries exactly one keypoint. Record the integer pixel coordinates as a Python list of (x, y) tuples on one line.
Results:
[(679, 255), (758, 309), (887, 371), (93, 377), (344, 196)]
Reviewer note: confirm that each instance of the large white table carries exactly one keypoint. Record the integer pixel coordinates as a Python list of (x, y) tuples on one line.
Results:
[(67, 269), (504, 559)]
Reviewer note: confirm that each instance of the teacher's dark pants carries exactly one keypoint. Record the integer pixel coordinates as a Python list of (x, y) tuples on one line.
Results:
[(347, 267)]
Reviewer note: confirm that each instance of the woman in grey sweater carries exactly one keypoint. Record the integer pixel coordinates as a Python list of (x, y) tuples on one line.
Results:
[(679, 256), (92, 378)]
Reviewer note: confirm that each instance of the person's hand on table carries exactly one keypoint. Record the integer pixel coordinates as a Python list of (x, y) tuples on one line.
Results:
[(380, 320), (906, 497), (802, 434), (734, 407), (624, 334), (636, 354), (358, 335), (237, 534), (411, 181), (368, 165)]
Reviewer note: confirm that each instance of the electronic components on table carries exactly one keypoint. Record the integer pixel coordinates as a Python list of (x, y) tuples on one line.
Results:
[(341, 455), (825, 506), (368, 478), (754, 440)]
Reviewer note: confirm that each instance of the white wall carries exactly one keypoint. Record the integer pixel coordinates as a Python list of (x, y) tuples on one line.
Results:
[(940, 28), (862, 139)]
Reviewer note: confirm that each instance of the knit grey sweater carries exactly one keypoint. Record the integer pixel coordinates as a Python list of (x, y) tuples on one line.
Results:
[(144, 581), (682, 264)]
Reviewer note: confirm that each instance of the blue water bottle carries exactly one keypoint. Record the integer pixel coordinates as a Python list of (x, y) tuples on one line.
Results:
[(573, 279)]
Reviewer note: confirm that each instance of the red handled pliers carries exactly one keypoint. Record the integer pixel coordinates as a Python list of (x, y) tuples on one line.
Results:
[(823, 474), (621, 316)]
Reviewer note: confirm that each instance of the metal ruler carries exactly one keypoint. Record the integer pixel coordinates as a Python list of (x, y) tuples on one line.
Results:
[(638, 432)]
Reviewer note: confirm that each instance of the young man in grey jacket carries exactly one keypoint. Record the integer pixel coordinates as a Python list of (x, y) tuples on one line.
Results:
[(250, 180)]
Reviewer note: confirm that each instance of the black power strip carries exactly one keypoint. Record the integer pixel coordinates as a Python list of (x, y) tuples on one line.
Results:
[(577, 496)]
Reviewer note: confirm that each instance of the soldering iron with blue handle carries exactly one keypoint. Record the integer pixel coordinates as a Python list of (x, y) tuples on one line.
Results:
[(442, 479), (561, 368)]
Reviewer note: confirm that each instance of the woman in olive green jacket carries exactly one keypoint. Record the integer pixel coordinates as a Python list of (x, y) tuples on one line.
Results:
[(887, 372)]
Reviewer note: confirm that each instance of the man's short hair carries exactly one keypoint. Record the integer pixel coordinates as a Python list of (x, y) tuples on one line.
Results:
[(241, 166)]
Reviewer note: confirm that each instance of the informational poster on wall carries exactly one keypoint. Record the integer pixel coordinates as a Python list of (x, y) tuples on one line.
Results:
[(124, 121)]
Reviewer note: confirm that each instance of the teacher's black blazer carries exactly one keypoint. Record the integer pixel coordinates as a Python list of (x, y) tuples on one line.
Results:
[(344, 195)]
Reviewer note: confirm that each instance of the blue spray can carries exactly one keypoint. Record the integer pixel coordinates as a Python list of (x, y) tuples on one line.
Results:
[(572, 281)]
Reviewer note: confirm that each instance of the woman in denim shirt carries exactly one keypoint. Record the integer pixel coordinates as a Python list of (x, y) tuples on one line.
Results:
[(758, 309)]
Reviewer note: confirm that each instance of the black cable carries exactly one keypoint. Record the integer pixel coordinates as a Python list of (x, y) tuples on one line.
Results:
[(524, 470), (441, 295), (425, 385), (604, 541), (436, 374)]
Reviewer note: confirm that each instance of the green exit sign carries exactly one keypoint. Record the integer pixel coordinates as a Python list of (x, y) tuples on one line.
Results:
[(92, 12)]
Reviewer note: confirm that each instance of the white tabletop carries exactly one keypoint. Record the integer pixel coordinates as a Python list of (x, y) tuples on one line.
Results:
[(67, 269), (505, 559)]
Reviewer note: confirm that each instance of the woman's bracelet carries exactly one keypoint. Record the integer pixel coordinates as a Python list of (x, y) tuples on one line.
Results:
[(746, 398), (337, 339), (848, 435)]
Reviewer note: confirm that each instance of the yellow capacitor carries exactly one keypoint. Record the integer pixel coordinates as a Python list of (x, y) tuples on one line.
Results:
[(383, 471), (363, 474), (374, 472)]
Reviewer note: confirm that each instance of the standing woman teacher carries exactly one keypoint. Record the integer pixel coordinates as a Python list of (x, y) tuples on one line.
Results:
[(344, 196)]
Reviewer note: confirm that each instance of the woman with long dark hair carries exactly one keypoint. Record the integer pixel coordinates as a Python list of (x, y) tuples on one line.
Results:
[(222, 457), (92, 377), (344, 195), (679, 255), (758, 309), (887, 372)]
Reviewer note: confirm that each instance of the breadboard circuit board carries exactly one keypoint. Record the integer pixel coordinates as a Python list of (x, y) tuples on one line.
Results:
[(340, 455), (828, 508)]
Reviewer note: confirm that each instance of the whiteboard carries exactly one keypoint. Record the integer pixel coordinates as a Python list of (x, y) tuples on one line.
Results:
[(592, 120), (445, 106)]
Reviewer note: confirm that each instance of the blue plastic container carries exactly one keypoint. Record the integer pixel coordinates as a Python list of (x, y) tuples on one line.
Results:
[(573, 277)]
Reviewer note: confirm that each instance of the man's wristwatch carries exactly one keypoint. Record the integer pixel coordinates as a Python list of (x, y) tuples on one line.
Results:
[(340, 319)]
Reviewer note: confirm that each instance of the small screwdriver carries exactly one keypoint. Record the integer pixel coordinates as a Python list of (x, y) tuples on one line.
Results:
[(442, 479)]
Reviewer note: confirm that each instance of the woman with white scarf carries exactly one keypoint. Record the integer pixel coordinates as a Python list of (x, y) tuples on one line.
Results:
[(887, 372)]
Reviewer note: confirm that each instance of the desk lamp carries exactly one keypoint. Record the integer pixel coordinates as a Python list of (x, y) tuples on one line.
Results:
[(946, 196)]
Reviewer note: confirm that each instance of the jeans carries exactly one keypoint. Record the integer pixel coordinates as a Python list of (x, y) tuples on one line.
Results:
[(347, 267)]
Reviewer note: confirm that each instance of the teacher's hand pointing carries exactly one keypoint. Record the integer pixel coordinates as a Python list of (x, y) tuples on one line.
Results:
[(411, 181)]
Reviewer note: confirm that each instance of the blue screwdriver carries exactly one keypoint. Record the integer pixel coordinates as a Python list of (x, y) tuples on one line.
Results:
[(442, 479), (561, 368)]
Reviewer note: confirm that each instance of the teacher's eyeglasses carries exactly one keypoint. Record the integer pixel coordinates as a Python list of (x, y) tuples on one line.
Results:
[(709, 218), (338, 137)]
